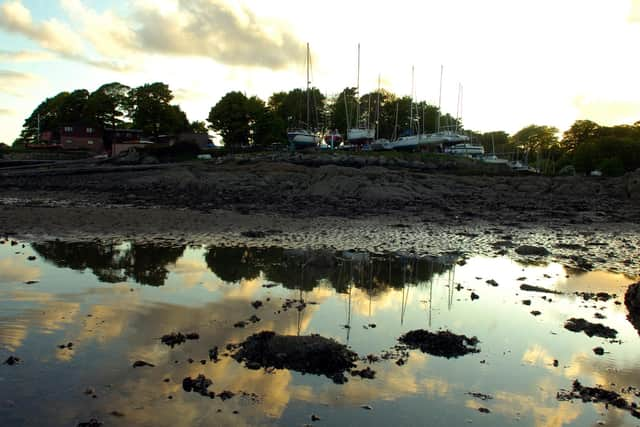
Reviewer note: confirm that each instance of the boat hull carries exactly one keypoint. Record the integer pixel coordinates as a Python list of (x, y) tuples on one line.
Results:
[(303, 139), (360, 136)]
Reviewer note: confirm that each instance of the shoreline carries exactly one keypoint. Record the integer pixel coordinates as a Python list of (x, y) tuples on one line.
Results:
[(581, 221)]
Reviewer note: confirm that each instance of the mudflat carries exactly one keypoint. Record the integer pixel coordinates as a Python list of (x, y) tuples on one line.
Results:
[(342, 202)]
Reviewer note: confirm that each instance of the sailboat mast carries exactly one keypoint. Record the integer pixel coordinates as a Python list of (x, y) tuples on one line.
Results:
[(378, 111), (440, 100), (308, 82), (412, 90), (358, 91)]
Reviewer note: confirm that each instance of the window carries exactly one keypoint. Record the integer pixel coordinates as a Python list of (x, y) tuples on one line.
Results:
[(90, 142), (68, 129), (89, 130), (68, 141)]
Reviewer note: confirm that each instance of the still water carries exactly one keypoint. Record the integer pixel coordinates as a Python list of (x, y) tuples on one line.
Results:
[(114, 301)]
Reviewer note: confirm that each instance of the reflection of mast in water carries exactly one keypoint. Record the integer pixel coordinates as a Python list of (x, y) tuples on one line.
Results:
[(406, 284), (450, 281)]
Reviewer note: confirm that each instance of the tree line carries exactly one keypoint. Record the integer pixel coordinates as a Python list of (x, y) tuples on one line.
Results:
[(243, 120)]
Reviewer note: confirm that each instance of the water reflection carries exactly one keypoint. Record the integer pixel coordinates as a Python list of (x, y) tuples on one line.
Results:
[(149, 264), (209, 290), (112, 263)]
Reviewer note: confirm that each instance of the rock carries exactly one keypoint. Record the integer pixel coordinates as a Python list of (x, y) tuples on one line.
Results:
[(474, 296), (149, 160), (178, 338), (226, 395), (591, 329), (484, 410), (633, 185), (32, 258), (91, 423), (315, 418), (443, 343), (367, 373), (142, 363), (198, 385), (536, 313), (632, 302), (213, 354), (530, 288), (532, 250), (129, 157), (12, 360), (526, 302), (307, 354), (599, 351), (367, 407), (568, 170), (597, 395), (253, 234), (256, 304), (492, 283)]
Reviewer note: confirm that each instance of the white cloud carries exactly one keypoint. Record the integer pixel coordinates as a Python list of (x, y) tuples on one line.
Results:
[(25, 56), (51, 34), (14, 82), (634, 14)]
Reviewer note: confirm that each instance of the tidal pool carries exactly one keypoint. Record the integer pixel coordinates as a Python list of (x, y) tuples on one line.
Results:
[(114, 301)]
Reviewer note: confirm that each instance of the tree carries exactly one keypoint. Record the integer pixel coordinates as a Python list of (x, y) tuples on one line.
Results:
[(534, 138), (107, 106), (579, 132), (149, 107), (198, 126), (53, 113), (241, 120), (291, 107), (230, 118)]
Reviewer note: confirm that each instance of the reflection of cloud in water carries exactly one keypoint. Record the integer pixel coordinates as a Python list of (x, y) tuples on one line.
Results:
[(537, 355), (516, 405), (45, 315), (14, 270)]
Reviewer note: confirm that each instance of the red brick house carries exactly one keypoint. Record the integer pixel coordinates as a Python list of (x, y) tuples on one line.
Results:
[(82, 137)]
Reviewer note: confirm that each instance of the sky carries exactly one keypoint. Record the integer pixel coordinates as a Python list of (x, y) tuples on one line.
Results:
[(544, 62)]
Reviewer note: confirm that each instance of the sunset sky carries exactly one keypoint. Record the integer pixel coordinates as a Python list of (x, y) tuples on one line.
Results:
[(546, 62)]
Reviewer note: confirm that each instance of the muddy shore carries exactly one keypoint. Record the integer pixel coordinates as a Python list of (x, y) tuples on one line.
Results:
[(344, 202)]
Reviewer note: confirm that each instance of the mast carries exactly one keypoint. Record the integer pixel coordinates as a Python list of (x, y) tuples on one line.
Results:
[(378, 111), (358, 91), (412, 90), (308, 82), (440, 100)]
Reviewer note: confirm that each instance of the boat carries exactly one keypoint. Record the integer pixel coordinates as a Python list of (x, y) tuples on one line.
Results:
[(495, 160), (492, 158), (333, 139), (466, 149), (303, 138), (359, 135)]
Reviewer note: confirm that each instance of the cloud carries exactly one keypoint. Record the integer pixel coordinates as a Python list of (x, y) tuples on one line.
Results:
[(209, 28), (634, 13), (608, 111), (51, 34), (25, 56), (56, 36), (11, 82)]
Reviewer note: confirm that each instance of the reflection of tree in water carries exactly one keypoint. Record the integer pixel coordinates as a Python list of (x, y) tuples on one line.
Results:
[(304, 270), (235, 264), (113, 262)]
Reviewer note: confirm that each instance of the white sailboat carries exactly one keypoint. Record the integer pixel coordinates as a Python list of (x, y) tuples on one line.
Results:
[(359, 135), (299, 138), (445, 137)]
